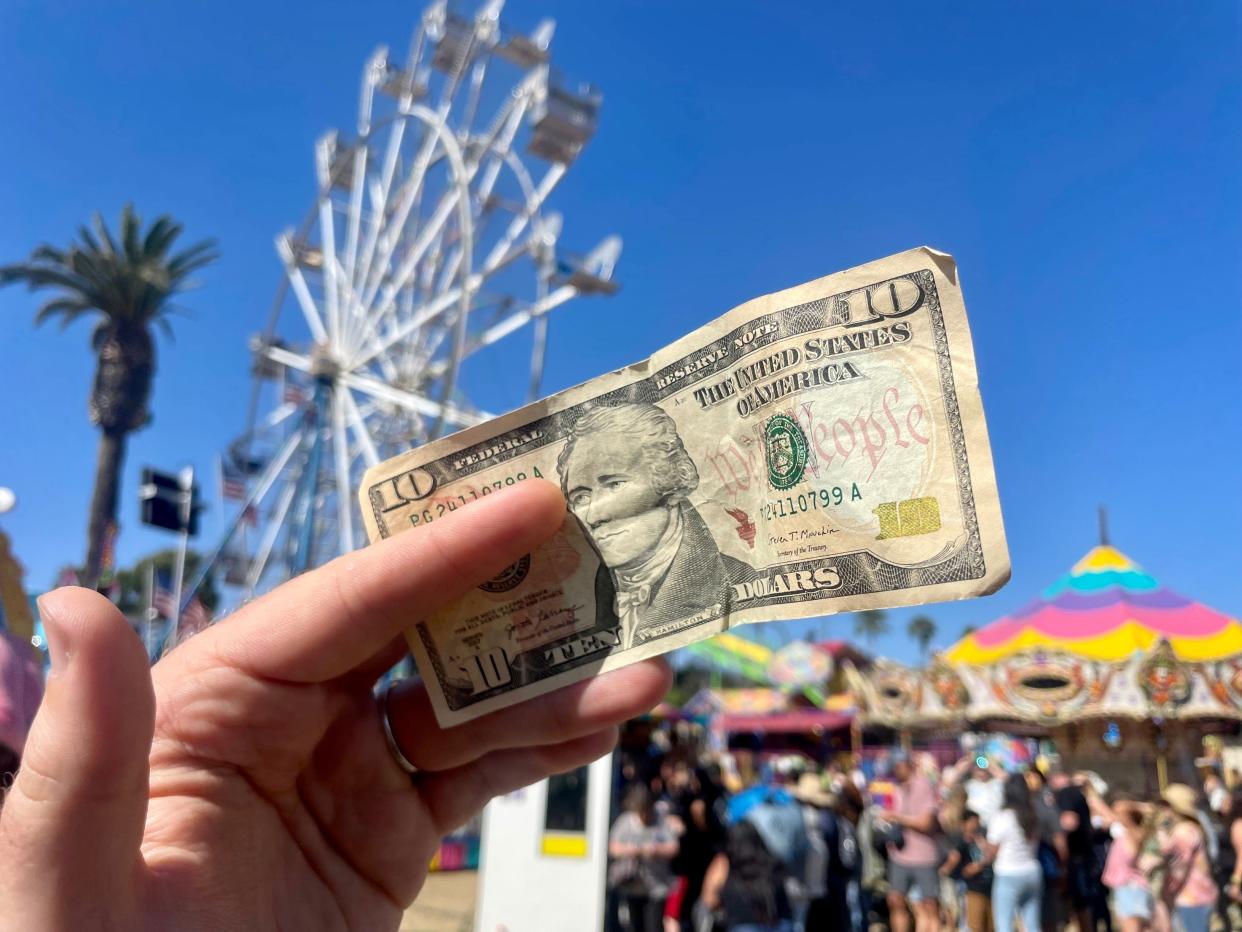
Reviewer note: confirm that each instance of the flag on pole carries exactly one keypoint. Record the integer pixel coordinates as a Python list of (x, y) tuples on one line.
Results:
[(194, 618), (232, 483), (293, 394)]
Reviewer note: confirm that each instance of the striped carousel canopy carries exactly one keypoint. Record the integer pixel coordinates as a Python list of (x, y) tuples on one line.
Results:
[(1107, 609)]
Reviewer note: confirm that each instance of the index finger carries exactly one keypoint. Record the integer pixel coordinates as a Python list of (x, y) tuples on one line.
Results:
[(325, 623)]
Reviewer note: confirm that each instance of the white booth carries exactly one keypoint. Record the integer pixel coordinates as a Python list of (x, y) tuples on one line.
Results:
[(544, 854)]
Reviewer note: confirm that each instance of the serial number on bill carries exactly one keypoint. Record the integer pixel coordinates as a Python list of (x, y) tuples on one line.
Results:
[(814, 500), (442, 506)]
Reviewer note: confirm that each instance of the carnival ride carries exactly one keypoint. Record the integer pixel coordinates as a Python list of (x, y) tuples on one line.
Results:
[(430, 244), (1117, 667)]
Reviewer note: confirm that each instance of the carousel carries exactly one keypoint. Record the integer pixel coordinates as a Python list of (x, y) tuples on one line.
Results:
[(1124, 675)]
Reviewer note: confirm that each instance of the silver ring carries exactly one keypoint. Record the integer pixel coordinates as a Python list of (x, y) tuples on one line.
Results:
[(402, 761)]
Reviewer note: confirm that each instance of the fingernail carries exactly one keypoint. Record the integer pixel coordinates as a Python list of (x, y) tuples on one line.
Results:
[(59, 648)]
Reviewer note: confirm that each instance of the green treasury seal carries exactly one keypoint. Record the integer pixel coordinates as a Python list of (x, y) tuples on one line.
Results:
[(786, 449)]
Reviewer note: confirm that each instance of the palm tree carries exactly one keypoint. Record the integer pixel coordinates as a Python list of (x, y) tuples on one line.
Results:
[(922, 630), (128, 285), (870, 624)]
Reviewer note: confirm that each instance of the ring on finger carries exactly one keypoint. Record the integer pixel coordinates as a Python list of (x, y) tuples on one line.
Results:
[(395, 749)]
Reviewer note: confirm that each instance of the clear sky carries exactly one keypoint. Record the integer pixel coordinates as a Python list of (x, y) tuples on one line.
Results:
[(1081, 161)]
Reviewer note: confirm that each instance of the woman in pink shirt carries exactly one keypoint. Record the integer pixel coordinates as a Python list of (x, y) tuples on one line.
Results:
[(1132, 899), (1188, 883)]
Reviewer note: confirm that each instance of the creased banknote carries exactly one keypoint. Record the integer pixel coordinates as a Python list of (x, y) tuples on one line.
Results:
[(818, 450)]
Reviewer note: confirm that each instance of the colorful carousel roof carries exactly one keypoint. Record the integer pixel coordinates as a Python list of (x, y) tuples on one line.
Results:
[(1107, 609)]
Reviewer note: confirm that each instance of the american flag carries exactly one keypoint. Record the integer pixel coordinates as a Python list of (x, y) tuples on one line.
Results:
[(232, 483), (294, 395), (194, 618)]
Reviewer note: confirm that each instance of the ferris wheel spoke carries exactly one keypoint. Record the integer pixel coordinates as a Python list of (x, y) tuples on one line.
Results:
[(477, 73), (409, 263), (502, 254), (386, 235), (377, 346), (279, 415), (324, 152), (382, 191), (538, 351), (268, 541), (412, 402), (372, 74), (340, 450), (353, 229), (498, 149), (406, 271), (307, 303), (463, 174), (517, 319), (359, 425)]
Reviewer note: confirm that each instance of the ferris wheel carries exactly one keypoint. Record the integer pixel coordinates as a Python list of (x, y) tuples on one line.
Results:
[(429, 248)]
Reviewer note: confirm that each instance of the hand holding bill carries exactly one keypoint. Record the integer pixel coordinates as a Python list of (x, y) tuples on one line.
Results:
[(244, 782)]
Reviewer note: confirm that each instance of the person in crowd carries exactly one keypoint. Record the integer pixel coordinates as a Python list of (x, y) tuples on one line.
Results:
[(1012, 846), (1081, 877), (815, 801), (984, 788), (1095, 790), (1124, 872), (1053, 851), (641, 847), (843, 906), (1188, 882), (1215, 793), (949, 818), (975, 873), (873, 850), (1228, 863), (745, 885), (702, 840), (913, 878), (1155, 865), (778, 818), (249, 780)]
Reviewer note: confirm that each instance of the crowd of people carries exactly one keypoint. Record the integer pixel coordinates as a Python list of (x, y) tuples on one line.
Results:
[(714, 844)]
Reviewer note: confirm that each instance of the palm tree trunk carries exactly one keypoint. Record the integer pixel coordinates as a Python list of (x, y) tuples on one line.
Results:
[(103, 502)]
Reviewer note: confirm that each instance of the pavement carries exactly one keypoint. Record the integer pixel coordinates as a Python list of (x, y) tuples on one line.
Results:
[(445, 904)]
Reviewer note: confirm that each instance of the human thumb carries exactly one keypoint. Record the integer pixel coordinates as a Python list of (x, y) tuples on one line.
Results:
[(72, 823)]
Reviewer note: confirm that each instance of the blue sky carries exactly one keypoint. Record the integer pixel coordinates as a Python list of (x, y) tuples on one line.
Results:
[(1082, 164)]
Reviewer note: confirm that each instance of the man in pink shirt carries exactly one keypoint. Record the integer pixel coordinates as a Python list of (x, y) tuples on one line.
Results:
[(913, 879)]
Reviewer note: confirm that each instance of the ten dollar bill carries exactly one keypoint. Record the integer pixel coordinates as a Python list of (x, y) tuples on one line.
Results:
[(814, 451)]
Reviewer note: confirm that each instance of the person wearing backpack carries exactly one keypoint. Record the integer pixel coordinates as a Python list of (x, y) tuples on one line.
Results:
[(745, 885), (1053, 853), (842, 906)]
